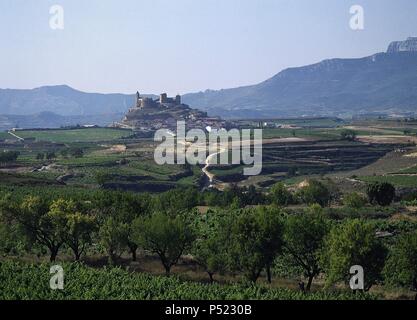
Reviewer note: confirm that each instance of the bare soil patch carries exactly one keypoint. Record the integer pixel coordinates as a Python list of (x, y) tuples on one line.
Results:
[(391, 139)]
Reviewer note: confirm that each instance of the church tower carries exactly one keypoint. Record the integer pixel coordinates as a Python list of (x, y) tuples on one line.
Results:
[(138, 98)]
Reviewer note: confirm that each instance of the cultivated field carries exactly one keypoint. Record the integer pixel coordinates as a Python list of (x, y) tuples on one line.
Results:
[(75, 135), (111, 177)]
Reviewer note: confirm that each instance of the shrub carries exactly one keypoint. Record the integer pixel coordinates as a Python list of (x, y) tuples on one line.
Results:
[(347, 134), (315, 192), (401, 266), (354, 200), (279, 195), (8, 156), (381, 193)]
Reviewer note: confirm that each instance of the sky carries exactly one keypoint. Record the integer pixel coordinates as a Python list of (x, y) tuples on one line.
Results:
[(181, 46)]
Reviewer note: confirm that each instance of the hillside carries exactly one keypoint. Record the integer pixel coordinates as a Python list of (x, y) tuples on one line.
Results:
[(62, 100), (383, 83), (48, 119)]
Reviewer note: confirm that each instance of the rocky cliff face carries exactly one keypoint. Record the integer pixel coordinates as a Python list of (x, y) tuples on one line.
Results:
[(409, 45)]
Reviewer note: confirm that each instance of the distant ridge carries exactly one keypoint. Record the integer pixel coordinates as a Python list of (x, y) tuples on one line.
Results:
[(48, 119), (62, 100), (383, 83)]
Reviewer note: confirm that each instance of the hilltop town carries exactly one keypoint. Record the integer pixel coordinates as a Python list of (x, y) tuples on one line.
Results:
[(150, 114)]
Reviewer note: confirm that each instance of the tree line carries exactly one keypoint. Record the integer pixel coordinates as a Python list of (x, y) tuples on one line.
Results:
[(240, 241), (7, 157)]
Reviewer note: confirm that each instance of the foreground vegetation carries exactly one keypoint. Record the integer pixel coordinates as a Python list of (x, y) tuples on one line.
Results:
[(246, 243), (114, 283), (58, 202)]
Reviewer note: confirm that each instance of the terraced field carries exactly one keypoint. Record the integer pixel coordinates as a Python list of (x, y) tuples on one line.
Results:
[(312, 147), (76, 135), (306, 133), (408, 181), (106, 160), (308, 158)]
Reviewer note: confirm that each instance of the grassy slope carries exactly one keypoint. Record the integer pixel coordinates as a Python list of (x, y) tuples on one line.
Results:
[(396, 180)]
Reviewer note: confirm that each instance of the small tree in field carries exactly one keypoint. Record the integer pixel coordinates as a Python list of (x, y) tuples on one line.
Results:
[(353, 243), (40, 224), (347, 134), (354, 200), (211, 253), (315, 192), (124, 208), (113, 237), (304, 241), (381, 193), (279, 195), (163, 235), (210, 247), (255, 242), (7, 157), (80, 228), (77, 233), (401, 266)]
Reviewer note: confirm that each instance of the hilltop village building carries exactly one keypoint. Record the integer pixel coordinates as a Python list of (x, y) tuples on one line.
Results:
[(150, 114)]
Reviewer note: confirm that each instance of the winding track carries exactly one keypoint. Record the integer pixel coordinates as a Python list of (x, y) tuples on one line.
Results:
[(16, 136)]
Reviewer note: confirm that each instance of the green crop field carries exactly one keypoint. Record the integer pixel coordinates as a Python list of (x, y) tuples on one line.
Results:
[(76, 135), (402, 130), (325, 134), (5, 135), (8, 179), (397, 180), (114, 283), (317, 122), (90, 160), (301, 122), (411, 170)]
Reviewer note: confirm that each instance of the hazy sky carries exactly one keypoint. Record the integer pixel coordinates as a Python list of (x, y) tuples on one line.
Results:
[(182, 46)]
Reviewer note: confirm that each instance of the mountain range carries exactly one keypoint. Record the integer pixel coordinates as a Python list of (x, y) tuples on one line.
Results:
[(62, 100), (381, 83)]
